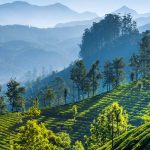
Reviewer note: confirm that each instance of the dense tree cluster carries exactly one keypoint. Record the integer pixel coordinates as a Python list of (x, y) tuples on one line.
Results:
[(34, 136), (86, 82), (106, 31), (112, 122), (113, 73), (140, 63)]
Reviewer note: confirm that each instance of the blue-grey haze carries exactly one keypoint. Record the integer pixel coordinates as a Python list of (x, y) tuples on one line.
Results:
[(101, 7)]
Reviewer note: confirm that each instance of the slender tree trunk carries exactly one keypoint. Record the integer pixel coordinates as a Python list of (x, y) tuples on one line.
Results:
[(88, 94), (117, 127), (12, 107), (44, 102), (78, 94), (65, 100), (107, 87), (73, 92), (112, 133), (93, 85)]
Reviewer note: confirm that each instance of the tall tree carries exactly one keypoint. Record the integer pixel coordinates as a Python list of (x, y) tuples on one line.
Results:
[(48, 96), (59, 85), (94, 76), (128, 25), (118, 70), (135, 65), (35, 136), (78, 74), (15, 95), (87, 85), (112, 122), (65, 95), (145, 53), (2, 102), (108, 75)]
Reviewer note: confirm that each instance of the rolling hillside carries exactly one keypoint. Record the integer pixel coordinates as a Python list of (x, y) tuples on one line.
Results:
[(61, 118), (135, 139)]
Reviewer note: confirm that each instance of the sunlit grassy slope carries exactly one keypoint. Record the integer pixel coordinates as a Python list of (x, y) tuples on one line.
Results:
[(61, 118), (136, 139)]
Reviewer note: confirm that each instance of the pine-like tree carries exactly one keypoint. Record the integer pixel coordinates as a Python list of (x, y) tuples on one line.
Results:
[(94, 76), (15, 95), (118, 71), (48, 96), (59, 85), (145, 53), (135, 65), (108, 75), (78, 74)]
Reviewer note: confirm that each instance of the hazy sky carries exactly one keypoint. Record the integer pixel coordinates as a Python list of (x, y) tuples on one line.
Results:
[(101, 7)]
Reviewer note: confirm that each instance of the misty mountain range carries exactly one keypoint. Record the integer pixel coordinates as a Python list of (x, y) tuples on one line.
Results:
[(141, 19), (24, 48), (23, 13)]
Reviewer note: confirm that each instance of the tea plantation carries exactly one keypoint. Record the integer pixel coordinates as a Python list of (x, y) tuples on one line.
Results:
[(133, 99), (136, 139)]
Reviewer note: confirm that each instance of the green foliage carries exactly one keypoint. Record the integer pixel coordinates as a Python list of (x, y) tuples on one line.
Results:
[(59, 85), (78, 146), (34, 110), (135, 64), (48, 96), (78, 74), (111, 123), (60, 119), (94, 76), (65, 95), (2, 105), (146, 116), (14, 94), (145, 53), (108, 75), (36, 137), (102, 36), (135, 139), (139, 85), (118, 71), (75, 112)]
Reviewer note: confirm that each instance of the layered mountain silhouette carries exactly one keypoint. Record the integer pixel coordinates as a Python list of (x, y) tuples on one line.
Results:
[(124, 10), (24, 48), (141, 19), (24, 13)]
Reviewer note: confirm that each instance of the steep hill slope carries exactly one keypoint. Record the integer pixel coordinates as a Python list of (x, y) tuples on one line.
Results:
[(136, 139), (61, 118)]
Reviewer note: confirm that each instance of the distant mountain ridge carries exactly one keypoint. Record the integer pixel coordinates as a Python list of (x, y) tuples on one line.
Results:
[(23, 13), (141, 19), (24, 48), (124, 10)]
